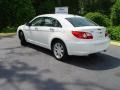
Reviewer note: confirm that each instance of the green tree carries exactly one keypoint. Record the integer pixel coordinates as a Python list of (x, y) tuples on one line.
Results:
[(72, 4), (102, 6), (37, 4), (115, 13), (48, 6), (15, 12)]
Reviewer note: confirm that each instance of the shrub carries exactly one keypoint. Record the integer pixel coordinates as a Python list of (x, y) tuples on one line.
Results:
[(114, 32), (98, 18), (115, 13), (9, 29)]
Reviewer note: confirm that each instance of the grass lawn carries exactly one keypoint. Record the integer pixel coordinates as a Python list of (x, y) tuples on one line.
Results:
[(7, 34)]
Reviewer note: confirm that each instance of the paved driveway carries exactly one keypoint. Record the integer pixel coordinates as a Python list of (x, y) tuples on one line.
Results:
[(34, 68)]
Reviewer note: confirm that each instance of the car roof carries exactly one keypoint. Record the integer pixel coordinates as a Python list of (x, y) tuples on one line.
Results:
[(59, 15)]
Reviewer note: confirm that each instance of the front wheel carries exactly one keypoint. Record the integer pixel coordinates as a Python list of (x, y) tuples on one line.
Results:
[(59, 50), (22, 38)]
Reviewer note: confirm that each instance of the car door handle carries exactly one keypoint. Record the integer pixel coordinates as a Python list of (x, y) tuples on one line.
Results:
[(51, 29), (36, 29)]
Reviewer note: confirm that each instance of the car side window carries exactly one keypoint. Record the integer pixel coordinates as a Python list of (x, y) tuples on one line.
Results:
[(38, 22), (51, 22), (48, 22), (56, 23)]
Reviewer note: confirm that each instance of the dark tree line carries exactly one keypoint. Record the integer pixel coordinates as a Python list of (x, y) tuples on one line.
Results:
[(48, 6), (16, 12), (75, 6)]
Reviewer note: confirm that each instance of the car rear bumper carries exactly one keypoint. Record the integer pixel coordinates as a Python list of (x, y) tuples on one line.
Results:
[(86, 48)]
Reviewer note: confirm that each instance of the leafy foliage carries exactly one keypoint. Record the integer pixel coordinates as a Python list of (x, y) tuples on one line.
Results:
[(8, 29), (114, 33), (15, 12), (98, 18), (102, 6), (115, 14), (48, 6)]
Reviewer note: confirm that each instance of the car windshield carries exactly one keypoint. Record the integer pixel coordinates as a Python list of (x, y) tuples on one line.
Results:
[(80, 22)]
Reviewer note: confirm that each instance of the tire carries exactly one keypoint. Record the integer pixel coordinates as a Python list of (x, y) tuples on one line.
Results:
[(59, 50), (93, 54), (22, 38)]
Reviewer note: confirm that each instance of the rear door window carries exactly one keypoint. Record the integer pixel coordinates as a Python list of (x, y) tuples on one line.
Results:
[(51, 22)]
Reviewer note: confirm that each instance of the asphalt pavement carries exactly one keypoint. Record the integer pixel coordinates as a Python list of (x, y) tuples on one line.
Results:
[(34, 68)]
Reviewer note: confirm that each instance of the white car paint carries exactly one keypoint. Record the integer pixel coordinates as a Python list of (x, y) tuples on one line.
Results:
[(43, 36)]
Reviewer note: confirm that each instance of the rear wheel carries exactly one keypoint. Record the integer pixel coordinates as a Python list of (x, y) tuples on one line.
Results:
[(59, 50), (22, 38)]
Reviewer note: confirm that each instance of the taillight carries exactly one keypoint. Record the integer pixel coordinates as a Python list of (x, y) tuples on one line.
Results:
[(82, 35)]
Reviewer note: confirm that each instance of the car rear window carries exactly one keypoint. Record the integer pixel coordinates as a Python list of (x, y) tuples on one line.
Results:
[(80, 22)]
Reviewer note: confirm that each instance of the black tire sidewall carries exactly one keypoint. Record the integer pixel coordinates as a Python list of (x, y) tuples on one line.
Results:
[(22, 38)]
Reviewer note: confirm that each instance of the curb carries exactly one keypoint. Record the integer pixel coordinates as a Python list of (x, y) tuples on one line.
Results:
[(115, 43)]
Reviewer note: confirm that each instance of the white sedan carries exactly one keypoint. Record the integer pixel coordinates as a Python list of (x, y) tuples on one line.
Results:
[(64, 35)]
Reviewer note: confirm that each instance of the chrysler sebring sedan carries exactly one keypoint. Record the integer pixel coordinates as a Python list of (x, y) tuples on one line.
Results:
[(64, 35)]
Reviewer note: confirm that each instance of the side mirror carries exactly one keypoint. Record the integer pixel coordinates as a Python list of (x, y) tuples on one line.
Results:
[(28, 24)]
